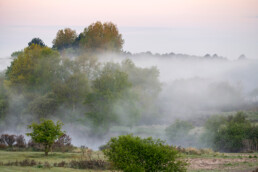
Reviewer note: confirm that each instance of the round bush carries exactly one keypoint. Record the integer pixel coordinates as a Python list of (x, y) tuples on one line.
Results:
[(131, 153)]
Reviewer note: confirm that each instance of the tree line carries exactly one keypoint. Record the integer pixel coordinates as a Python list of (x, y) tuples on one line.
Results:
[(45, 82)]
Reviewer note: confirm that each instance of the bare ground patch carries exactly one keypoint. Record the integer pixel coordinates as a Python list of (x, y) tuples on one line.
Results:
[(236, 164)]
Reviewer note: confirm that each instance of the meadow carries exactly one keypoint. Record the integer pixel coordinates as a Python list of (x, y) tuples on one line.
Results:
[(209, 162)]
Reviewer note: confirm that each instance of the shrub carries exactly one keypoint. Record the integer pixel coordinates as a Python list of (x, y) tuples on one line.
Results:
[(206, 151), (178, 133), (20, 141), (63, 144), (89, 164), (192, 151), (8, 139), (35, 146), (231, 136), (60, 164), (131, 153)]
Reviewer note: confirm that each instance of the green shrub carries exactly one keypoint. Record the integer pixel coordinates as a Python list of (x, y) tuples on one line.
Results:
[(131, 153), (178, 133), (232, 134)]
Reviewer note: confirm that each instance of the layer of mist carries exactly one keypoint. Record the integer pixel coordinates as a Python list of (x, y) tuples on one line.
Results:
[(192, 88)]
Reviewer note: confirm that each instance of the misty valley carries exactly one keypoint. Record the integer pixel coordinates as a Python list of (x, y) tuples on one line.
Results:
[(107, 99)]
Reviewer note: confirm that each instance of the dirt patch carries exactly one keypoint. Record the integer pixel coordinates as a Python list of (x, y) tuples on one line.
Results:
[(216, 163)]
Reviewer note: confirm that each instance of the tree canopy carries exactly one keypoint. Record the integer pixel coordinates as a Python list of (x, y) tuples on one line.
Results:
[(35, 67), (99, 37), (46, 133), (64, 38), (37, 41)]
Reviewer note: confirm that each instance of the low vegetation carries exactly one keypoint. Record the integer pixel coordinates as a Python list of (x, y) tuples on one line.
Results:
[(131, 153)]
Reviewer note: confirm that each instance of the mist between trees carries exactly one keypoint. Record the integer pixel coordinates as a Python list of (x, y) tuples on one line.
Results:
[(87, 81)]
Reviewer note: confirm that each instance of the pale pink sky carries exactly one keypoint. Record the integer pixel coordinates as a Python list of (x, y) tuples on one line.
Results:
[(226, 27), (129, 12)]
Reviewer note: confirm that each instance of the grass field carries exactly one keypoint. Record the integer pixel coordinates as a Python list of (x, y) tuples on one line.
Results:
[(205, 162)]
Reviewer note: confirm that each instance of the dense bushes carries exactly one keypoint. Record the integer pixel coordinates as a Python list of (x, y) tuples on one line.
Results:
[(232, 134), (130, 153)]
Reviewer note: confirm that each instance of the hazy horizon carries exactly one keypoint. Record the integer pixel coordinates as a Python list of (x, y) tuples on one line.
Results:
[(195, 27)]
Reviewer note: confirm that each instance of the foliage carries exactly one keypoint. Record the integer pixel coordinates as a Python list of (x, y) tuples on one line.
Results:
[(16, 53), (20, 141), (63, 143), (46, 133), (146, 86), (72, 90), (43, 106), (37, 41), (3, 99), (89, 164), (110, 86), (40, 81), (130, 153), (35, 68), (228, 134), (8, 139), (101, 37), (64, 38), (178, 133)]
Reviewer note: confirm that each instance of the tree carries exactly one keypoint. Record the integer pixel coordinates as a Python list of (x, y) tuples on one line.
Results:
[(46, 133), (178, 133), (110, 86), (3, 99), (146, 85), (230, 137), (130, 153), (101, 37), (228, 134), (16, 53), (37, 41), (64, 38), (34, 69), (42, 106), (72, 90)]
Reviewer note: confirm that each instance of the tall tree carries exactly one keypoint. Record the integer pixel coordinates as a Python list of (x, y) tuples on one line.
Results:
[(34, 69), (99, 37), (37, 41), (109, 87), (3, 99), (64, 38)]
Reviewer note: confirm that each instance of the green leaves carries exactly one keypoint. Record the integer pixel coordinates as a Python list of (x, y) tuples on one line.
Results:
[(46, 132), (228, 134), (35, 68), (131, 153)]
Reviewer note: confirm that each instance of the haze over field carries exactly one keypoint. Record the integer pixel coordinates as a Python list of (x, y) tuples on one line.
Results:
[(165, 60)]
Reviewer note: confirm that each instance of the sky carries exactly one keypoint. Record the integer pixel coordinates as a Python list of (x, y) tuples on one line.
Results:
[(225, 27)]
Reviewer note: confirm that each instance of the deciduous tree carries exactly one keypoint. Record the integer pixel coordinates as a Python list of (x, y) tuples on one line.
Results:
[(46, 133), (102, 37), (64, 38)]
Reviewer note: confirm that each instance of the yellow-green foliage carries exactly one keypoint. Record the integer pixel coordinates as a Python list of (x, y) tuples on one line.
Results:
[(34, 67), (46, 133)]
